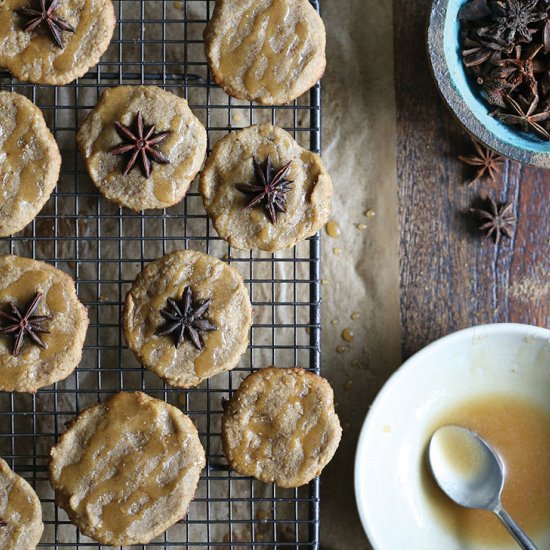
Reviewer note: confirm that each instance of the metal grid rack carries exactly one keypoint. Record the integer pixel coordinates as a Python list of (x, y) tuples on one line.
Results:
[(104, 247)]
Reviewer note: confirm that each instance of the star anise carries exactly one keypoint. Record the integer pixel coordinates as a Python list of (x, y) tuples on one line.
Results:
[(520, 69), (270, 187), (140, 144), (515, 17), (495, 85), (498, 219), (487, 162), (478, 50), (45, 15), (22, 324), (526, 119), (185, 318)]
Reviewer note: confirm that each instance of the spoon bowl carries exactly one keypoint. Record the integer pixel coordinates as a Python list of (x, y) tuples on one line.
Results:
[(472, 474), (466, 467)]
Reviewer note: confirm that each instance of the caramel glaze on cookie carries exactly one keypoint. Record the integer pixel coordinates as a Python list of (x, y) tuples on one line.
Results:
[(126, 470), (35, 57), (20, 512), (29, 162), (183, 146), (35, 367), (267, 51), (308, 202), (229, 311), (280, 426)]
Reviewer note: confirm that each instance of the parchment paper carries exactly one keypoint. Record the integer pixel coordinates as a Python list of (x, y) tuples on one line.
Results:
[(362, 277), (359, 150)]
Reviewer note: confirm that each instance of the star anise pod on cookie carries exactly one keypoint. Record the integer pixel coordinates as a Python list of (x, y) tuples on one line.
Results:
[(270, 187), (185, 318), (22, 324), (140, 145), (486, 161), (45, 15), (498, 219)]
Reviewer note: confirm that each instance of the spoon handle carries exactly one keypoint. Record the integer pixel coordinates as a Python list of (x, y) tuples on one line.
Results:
[(515, 530)]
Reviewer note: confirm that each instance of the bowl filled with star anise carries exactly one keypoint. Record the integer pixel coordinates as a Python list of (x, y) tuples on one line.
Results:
[(491, 62)]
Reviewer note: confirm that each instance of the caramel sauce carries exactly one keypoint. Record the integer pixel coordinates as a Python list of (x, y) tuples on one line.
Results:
[(23, 172), (278, 55), (298, 420), (333, 229), (520, 432), (19, 509), (125, 480)]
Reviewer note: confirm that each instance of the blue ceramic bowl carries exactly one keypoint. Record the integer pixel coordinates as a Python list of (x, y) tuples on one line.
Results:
[(462, 96)]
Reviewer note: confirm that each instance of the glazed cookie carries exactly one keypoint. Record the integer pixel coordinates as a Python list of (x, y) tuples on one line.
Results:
[(268, 51), (42, 325), (126, 470), (263, 191), (29, 162), (280, 426), (187, 317), (54, 41), (20, 512), (142, 146)]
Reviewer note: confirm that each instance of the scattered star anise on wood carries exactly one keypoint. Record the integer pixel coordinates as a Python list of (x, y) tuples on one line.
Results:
[(46, 15), (185, 319), (270, 187), (498, 220), (140, 145), (21, 324), (487, 162)]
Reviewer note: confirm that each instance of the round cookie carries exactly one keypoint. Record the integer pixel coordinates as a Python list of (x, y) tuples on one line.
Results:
[(35, 56), (58, 311), (20, 512), (29, 162), (280, 426), (307, 197), (182, 150), (268, 51), (156, 333), (126, 470)]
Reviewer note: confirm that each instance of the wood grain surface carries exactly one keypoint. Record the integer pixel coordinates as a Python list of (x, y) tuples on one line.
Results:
[(451, 277)]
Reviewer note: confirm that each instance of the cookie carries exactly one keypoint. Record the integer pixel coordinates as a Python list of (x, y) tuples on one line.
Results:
[(142, 146), (126, 470), (187, 317), (263, 191), (280, 426), (59, 47), (29, 162), (47, 346), (267, 51), (20, 512)]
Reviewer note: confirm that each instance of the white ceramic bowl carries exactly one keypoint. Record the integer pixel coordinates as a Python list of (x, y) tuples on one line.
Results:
[(393, 506)]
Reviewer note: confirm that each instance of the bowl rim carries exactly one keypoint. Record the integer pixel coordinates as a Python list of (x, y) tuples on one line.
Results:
[(488, 330), (455, 102)]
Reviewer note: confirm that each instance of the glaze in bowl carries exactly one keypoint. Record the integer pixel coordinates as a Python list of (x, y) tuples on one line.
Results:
[(395, 509), (464, 99)]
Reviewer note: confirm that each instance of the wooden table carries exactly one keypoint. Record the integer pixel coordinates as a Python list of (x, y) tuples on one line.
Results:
[(451, 277)]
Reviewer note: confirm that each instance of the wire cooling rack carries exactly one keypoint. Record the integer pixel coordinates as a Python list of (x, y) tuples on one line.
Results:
[(104, 247)]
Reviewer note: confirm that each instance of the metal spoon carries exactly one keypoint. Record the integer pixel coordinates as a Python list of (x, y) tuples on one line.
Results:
[(471, 473)]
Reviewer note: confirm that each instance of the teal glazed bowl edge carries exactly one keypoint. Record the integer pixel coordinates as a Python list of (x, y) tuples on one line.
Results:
[(461, 95)]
